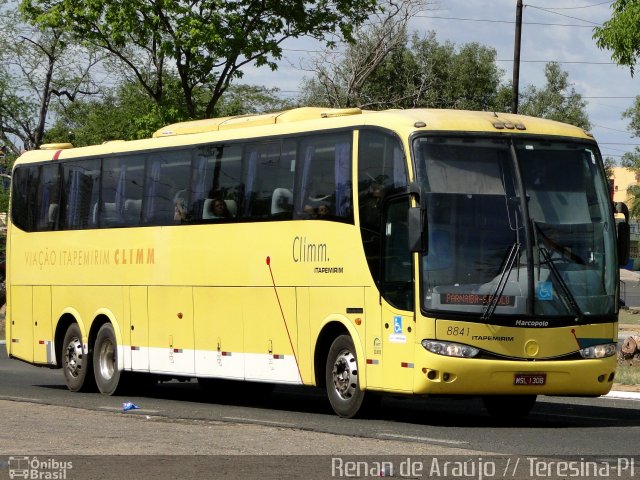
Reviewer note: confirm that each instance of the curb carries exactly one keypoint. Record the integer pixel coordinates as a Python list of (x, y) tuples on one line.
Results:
[(622, 395)]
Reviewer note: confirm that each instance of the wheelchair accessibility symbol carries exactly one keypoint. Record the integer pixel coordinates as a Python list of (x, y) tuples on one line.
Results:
[(397, 324), (545, 291)]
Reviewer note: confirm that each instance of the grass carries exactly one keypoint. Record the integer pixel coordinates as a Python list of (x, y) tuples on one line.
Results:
[(629, 317), (628, 375)]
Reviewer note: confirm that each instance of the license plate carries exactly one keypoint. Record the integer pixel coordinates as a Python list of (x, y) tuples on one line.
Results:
[(530, 379)]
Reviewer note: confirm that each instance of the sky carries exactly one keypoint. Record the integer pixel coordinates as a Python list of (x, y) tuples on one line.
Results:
[(553, 30)]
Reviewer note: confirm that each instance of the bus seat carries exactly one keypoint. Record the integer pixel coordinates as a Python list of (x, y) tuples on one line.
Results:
[(110, 214), (281, 201), (132, 209), (232, 207), (53, 213), (206, 209)]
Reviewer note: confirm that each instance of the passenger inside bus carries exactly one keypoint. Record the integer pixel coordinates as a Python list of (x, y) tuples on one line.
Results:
[(217, 209), (180, 207), (371, 205)]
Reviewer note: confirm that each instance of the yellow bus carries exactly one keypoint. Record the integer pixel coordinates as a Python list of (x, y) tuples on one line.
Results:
[(417, 252)]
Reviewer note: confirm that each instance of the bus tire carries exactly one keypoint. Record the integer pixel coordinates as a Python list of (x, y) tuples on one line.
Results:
[(105, 360), (509, 407), (76, 361), (342, 379)]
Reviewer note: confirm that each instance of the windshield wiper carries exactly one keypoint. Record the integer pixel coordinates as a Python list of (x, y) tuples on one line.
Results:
[(567, 298), (512, 256)]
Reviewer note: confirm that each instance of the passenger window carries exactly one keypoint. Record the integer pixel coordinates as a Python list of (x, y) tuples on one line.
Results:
[(24, 184), (166, 188), (48, 198), (325, 178), (122, 184), (216, 182), (80, 194), (269, 177)]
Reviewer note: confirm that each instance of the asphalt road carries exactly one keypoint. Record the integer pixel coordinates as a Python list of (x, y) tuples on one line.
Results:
[(557, 426)]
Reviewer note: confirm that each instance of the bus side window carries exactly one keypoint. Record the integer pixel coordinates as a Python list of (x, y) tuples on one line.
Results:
[(216, 174), (80, 190), (48, 198), (166, 182), (325, 189), (269, 175), (25, 181), (122, 180)]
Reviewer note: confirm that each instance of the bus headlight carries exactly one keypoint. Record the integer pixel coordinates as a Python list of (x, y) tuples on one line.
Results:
[(599, 351), (450, 349)]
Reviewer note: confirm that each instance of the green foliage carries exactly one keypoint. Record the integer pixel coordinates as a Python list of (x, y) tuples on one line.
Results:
[(421, 73), (633, 192), (205, 43), (4, 200), (609, 165), (621, 34), (557, 100), (128, 114), (38, 69)]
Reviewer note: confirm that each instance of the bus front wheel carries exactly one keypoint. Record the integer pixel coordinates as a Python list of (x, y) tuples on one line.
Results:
[(105, 360), (509, 407), (343, 385), (76, 361)]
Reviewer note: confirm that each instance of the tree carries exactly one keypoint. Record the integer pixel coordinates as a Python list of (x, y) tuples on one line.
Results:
[(340, 80), (419, 73), (127, 114), (205, 43), (36, 68), (621, 34), (609, 165), (557, 100), (631, 160)]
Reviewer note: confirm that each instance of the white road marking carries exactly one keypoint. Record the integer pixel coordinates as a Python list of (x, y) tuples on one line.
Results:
[(423, 439), (140, 410), (256, 420), (21, 399)]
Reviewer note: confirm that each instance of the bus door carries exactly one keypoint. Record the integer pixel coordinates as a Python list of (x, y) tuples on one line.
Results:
[(397, 316)]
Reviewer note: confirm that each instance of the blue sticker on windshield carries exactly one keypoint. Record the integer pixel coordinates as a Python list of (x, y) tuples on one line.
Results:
[(544, 291)]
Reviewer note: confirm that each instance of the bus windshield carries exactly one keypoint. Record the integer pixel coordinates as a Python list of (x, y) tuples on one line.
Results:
[(490, 254)]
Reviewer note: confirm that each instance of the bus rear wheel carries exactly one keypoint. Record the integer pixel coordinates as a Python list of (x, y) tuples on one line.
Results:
[(509, 407), (105, 360), (343, 384), (76, 361)]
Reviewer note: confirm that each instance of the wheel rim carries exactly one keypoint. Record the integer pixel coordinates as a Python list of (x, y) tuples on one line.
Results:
[(107, 359), (73, 357), (345, 375)]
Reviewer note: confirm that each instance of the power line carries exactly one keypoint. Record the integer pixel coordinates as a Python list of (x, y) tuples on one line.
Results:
[(572, 62), (563, 15), (581, 7), (620, 143), (487, 20), (609, 128)]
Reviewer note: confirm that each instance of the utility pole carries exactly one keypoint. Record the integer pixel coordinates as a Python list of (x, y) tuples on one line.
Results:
[(516, 58)]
